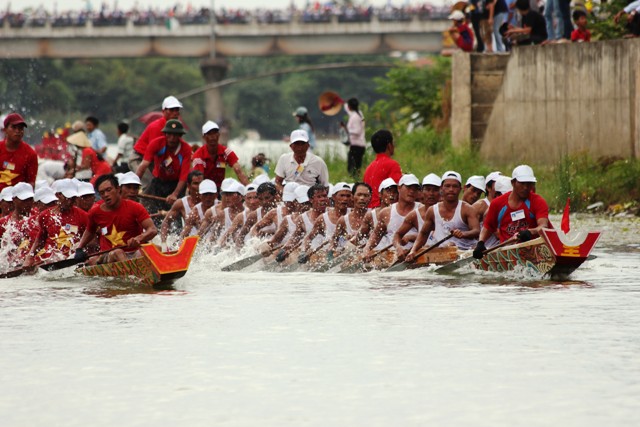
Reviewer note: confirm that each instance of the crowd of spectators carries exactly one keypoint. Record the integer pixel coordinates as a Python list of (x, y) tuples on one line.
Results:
[(314, 13)]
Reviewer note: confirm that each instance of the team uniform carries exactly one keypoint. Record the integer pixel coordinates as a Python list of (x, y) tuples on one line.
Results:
[(508, 222), (17, 166), (115, 228), (168, 167), (62, 231), (214, 168), (151, 132)]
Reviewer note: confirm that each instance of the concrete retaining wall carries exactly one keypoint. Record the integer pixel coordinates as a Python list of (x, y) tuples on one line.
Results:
[(549, 101)]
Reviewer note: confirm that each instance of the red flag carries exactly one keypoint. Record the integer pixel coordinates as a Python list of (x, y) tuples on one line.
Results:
[(565, 218)]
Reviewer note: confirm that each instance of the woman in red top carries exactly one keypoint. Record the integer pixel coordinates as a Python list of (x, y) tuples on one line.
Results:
[(94, 161)]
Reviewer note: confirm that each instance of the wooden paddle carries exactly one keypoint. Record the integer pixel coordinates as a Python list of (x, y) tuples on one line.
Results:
[(450, 268), (293, 267), (152, 197), (401, 265), (357, 264), (335, 261), (246, 262), (17, 272), (52, 266)]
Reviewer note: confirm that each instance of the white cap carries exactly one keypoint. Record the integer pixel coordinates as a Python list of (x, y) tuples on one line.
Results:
[(301, 193), (85, 188), (207, 186), (289, 192), (493, 176), (6, 194), (23, 191), (476, 181), (171, 102), (503, 185), (209, 126), (298, 135), (261, 179), (44, 195), (340, 186), (41, 183), (523, 173), (227, 185), (452, 175), (129, 178), (456, 15), (408, 179), (432, 179), (239, 188), (386, 183), (250, 188), (68, 188)]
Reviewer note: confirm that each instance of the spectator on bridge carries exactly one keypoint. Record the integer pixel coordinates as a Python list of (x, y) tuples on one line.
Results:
[(460, 32), (533, 30), (95, 135), (302, 116), (498, 15), (554, 20), (632, 10), (170, 111), (581, 33)]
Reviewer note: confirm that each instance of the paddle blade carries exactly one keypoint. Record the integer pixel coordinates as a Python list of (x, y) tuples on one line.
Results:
[(451, 267), (243, 263), (401, 266), (11, 274), (58, 265)]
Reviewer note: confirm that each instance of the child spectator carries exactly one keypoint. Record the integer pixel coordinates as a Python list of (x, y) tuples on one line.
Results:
[(460, 31), (580, 34)]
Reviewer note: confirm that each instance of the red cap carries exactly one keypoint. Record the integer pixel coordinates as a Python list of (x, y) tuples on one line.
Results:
[(14, 119)]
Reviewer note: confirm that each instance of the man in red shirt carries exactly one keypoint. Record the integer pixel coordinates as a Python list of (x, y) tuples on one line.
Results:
[(18, 161), (170, 111), (171, 157), (520, 213), (212, 158), (59, 228), (118, 222), (383, 166)]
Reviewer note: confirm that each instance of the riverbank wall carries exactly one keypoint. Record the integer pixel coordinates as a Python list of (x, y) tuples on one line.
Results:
[(540, 103)]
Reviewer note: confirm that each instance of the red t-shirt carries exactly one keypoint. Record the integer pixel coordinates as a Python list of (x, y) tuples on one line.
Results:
[(214, 168), (17, 237), (465, 41), (169, 166), (509, 221), (578, 35), (61, 230), (17, 166), (381, 168), (151, 132), (115, 228), (98, 167)]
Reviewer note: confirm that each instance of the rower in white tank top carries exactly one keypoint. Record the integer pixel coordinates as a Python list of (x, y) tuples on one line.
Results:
[(395, 221), (308, 226), (492, 240), (443, 228)]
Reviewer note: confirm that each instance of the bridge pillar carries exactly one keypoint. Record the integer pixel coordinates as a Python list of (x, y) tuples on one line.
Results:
[(214, 70)]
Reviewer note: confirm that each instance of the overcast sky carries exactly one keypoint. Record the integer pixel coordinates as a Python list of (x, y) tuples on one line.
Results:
[(63, 5)]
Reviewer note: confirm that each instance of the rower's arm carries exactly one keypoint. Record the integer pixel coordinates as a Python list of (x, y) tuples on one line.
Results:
[(423, 233), (142, 168), (410, 221), (279, 181), (297, 236), (37, 244), (171, 216), (266, 221), (149, 233), (173, 197), (378, 231), (542, 223), (341, 231), (189, 224), (206, 222), (246, 228), (471, 216), (280, 233), (236, 225)]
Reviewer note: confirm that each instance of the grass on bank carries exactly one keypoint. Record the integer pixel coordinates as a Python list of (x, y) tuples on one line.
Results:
[(582, 178)]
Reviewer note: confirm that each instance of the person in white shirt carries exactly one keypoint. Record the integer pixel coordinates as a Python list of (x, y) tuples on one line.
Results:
[(357, 142), (125, 147), (301, 166)]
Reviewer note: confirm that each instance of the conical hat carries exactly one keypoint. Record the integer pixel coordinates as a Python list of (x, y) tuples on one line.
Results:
[(79, 139)]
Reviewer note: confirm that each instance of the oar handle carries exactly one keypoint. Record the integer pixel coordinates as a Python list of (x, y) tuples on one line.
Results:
[(424, 250), (152, 197)]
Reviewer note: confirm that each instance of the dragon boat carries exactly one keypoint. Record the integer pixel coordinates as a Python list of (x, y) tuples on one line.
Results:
[(153, 268), (553, 254)]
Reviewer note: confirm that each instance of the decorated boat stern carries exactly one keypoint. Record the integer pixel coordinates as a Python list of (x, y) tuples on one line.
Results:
[(152, 268), (554, 254)]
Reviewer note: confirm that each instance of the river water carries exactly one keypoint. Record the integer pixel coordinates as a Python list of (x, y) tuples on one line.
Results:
[(301, 349)]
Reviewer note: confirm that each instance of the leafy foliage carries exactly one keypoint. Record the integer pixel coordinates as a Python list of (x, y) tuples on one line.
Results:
[(601, 21)]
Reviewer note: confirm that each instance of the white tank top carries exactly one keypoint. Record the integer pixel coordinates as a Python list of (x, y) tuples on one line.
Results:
[(187, 207), (291, 228), (329, 227), (227, 220), (374, 218), (443, 228)]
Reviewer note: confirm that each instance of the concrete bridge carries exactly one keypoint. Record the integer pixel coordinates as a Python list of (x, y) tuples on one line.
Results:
[(213, 43), (253, 39)]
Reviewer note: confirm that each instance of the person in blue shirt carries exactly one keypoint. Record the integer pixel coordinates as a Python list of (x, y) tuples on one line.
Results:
[(95, 135)]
